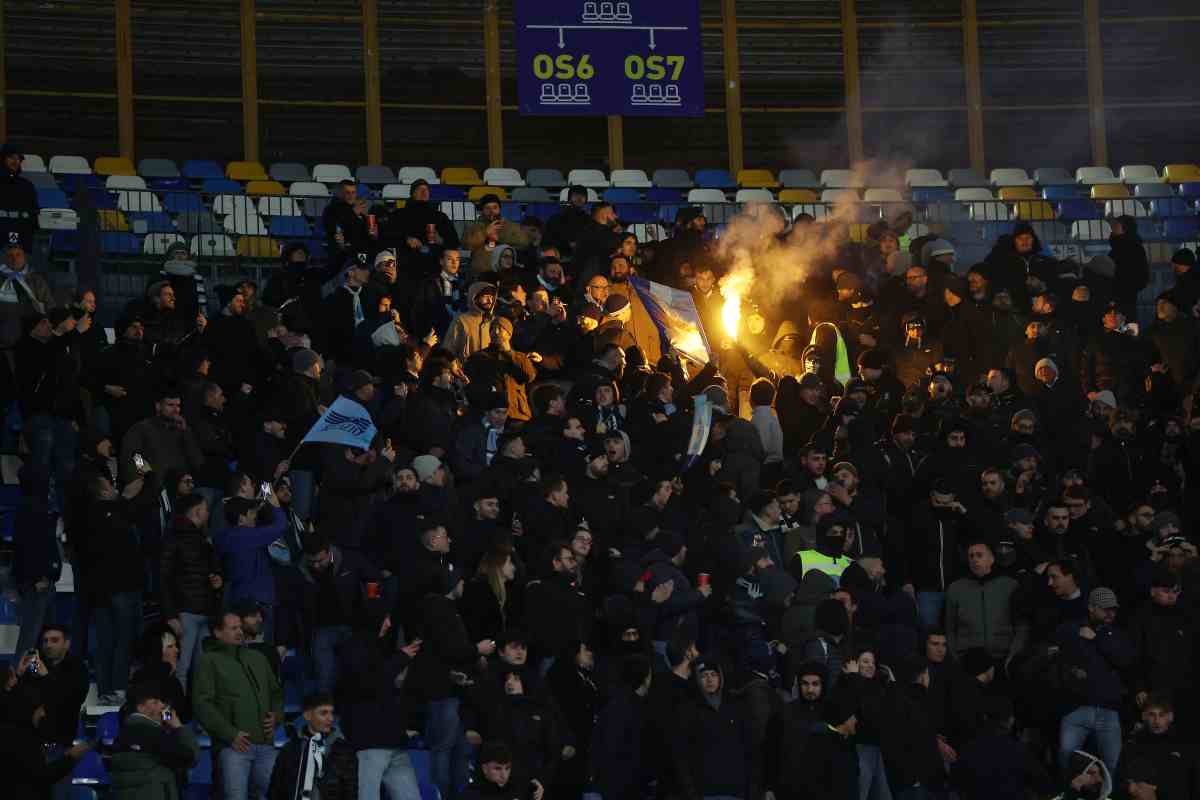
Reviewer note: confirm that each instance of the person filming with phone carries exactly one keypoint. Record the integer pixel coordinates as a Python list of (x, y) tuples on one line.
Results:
[(153, 748)]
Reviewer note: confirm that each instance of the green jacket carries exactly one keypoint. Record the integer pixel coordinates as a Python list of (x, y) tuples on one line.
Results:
[(981, 614), (149, 757), (233, 689)]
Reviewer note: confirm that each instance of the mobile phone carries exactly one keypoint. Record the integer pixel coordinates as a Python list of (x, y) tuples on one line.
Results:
[(264, 489), (166, 715), (139, 462)]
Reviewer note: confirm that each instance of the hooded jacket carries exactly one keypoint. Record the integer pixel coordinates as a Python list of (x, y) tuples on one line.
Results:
[(149, 758), (474, 238), (233, 689), (713, 749), (469, 332), (186, 561)]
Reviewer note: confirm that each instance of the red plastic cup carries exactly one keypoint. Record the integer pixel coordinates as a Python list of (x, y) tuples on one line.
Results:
[(702, 579), (431, 233), (373, 592), (372, 225)]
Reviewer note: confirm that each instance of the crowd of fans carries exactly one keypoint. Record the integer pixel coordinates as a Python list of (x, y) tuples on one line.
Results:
[(936, 545)]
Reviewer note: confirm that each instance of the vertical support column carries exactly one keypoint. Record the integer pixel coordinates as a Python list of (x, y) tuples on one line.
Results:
[(1095, 74), (125, 131), (616, 142), (491, 57), (970, 23), (249, 83), (3, 75), (370, 21), (733, 85), (854, 112)]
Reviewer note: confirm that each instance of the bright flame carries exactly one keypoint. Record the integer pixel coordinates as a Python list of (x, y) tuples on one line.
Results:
[(731, 312), (733, 288)]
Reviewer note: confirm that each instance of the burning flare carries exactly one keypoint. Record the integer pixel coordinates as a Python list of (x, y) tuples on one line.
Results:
[(733, 288)]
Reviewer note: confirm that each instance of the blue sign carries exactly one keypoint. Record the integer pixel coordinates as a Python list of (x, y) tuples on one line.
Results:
[(598, 57)]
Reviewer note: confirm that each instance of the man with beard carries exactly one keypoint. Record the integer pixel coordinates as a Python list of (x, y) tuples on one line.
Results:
[(1118, 465), (1164, 632), (793, 728), (918, 353), (470, 331), (390, 541), (639, 324), (598, 500), (1176, 340), (490, 231)]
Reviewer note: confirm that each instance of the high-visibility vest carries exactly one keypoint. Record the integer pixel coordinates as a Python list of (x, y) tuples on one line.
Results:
[(833, 566)]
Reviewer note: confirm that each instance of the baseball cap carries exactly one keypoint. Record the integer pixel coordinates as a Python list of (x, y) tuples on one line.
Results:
[(1103, 597)]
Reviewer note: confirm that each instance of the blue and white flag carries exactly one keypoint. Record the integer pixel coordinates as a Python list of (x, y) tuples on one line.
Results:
[(701, 427), (674, 313), (346, 422)]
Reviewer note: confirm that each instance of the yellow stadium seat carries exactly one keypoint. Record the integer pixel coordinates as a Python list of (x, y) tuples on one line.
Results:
[(1032, 210), (756, 179), (257, 247), (400, 204), (245, 171), (1019, 193), (797, 196), (1174, 173), (112, 220), (858, 231), (1110, 191), (274, 188), (461, 176), (113, 165), (477, 192)]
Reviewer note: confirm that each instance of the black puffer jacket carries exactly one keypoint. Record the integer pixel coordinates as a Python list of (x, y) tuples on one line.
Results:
[(188, 558)]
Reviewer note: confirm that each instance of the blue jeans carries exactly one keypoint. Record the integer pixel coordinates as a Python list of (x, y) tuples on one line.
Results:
[(447, 746), (872, 779), (324, 649), (386, 767), (195, 628), (36, 609), (116, 629), (237, 770), (1104, 724), (53, 444), (930, 606)]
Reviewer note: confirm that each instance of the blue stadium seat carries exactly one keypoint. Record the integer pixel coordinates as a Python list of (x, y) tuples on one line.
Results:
[(666, 213), (121, 244), (1149, 190), (439, 193), (1071, 210), (932, 194), (1171, 207), (512, 211), (201, 169), (201, 774), (72, 183), (295, 227), (1065, 192), (635, 213), (155, 222), (622, 195), (659, 194), (715, 179), (220, 185), (168, 184), (90, 771), (1189, 190), (81, 793), (543, 211), (52, 198), (1148, 229), (107, 728), (316, 247), (64, 241), (988, 231), (182, 202), (102, 199), (1181, 228)]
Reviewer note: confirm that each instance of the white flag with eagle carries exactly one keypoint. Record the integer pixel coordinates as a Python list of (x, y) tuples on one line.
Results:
[(346, 423)]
